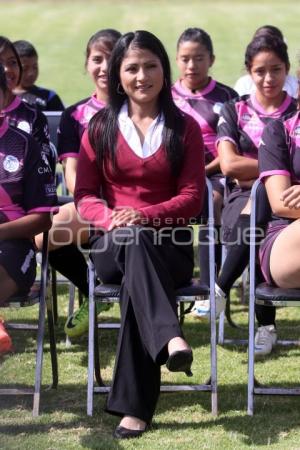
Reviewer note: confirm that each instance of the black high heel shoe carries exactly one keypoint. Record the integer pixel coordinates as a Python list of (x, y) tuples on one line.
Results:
[(125, 433), (180, 361)]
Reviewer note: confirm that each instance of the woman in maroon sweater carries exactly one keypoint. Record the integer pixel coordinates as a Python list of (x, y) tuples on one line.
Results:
[(147, 160)]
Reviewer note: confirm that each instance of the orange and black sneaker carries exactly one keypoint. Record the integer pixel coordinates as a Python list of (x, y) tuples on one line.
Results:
[(5, 340)]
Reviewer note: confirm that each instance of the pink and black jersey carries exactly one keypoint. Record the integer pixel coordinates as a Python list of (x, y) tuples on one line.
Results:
[(74, 121), (243, 120), (26, 118), (279, 151), (205, 107), (26, 178)]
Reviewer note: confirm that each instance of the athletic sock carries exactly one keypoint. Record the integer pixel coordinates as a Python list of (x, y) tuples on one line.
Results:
[(70, 262), (204, 253), (237, 257)]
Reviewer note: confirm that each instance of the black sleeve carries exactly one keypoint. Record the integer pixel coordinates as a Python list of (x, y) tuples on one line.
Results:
[(273, 152), (227, 126), (54, 103), (68, 135), (39, 186)]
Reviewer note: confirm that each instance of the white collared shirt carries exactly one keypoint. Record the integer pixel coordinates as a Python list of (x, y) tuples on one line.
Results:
[(153, 138)]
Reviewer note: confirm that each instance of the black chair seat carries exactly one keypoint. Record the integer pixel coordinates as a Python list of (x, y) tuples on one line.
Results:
[(63, 199), (113, 290), (272, 294)]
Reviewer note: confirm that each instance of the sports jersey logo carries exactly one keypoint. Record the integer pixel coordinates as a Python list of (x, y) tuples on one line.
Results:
[(246, 117), (297, 131), (25, 126), (217, 108), (11, 164), (46, 169), (221, 120)]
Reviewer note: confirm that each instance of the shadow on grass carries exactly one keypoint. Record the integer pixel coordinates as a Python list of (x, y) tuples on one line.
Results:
[(273, 416)]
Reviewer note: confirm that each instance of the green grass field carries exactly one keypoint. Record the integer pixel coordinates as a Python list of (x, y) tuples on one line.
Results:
[(60, 29)]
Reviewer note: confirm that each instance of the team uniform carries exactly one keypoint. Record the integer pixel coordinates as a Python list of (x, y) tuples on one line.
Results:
[(205, 107), (279, 154), (42, 99), (242, 122), (26, 187), (22, 116), (74, 121)]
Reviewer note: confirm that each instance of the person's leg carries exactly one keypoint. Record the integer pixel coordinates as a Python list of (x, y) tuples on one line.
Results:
[(148, 317), (287, 243)]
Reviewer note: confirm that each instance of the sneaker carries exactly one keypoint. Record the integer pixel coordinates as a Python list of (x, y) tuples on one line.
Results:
[(201, 309), (5, 340), (78, 323), (265, 340)]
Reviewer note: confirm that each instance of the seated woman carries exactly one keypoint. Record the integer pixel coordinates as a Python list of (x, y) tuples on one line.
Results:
[(27, 198), (140, 177), (240, 129), (199, 95), (67, 228), (279, 167)]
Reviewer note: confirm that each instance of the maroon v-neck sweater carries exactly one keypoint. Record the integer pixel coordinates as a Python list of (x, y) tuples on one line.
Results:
[(145, 184)]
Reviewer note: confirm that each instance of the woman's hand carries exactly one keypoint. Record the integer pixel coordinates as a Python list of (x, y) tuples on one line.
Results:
[(124, 217), (291, 197)]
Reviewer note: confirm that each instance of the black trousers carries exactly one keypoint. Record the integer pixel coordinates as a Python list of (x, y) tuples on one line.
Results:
[(149, 265)]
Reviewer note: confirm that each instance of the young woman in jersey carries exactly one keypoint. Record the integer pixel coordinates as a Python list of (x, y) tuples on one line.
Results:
[(27, 197), (67, 228), (245, 85), (39, 97), (279, 167), (241, 124), (20, 114), (146, 159), (202, 97)]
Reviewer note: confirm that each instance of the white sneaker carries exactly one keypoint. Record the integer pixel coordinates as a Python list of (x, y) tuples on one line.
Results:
[(201, 309), (265, 340)]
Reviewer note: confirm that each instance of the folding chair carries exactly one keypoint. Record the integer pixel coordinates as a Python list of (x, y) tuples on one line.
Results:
[(44, 302), (242, 286), (264, 294), (53, 118), (190, 293)]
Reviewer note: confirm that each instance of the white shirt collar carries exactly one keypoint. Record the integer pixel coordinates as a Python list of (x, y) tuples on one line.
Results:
[(153, 138)]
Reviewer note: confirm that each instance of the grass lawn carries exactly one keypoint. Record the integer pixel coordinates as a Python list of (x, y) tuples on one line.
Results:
[(182, 421), (60, 30)]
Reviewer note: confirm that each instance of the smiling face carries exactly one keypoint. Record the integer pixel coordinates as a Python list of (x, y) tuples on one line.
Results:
[(141, 76), (268, 73), (194, 61), (30, 71), (12, 71), (96, 67)]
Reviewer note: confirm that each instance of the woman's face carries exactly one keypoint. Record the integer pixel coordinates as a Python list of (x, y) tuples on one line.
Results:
[(141, 76), (268, 73), (193, 61), (96, 66), (11, 67)]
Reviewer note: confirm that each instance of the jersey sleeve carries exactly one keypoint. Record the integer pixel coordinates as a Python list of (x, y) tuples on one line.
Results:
[(54, 102), (273, 153), (40, 132), (68, 138), (227, 129), (39, 193)]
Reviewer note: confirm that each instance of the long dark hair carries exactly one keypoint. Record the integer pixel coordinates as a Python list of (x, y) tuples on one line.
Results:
[(3, 84), (197, 35), (5, 43), (103, 126), (106, 38), (267, 43)]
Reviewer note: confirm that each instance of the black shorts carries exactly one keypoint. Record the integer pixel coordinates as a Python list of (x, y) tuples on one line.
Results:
[(17, 256)]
